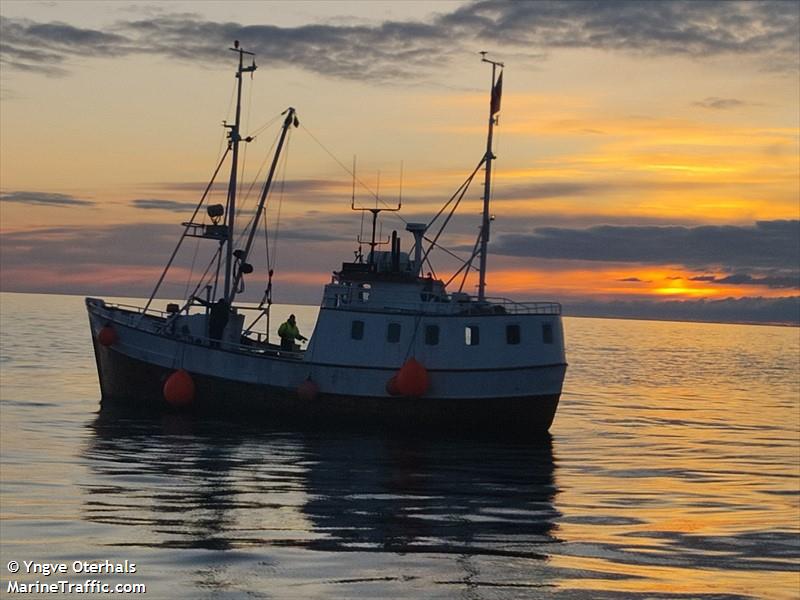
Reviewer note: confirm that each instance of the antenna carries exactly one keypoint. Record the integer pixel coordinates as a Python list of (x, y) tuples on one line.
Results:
[(359, 253), (353, 197), (483, 54), (375, 212), (400, 194)]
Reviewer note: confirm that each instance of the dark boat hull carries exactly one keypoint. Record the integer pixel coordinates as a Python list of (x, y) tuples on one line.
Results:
[(138, 385)]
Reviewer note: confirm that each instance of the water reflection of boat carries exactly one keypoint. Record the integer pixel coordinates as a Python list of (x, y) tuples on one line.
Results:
[(179, 483), (432, 496)]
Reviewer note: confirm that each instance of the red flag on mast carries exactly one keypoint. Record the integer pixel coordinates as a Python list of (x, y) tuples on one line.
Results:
[(497, 92)]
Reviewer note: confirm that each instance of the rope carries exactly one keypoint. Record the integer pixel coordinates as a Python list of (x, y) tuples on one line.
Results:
[(417, 322)]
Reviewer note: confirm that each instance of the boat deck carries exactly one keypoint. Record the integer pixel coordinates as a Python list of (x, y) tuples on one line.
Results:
[(159, 322)]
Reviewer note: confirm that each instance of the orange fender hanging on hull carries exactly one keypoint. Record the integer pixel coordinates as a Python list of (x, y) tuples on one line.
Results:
[(412, 379), (179, 389), (107, 336)]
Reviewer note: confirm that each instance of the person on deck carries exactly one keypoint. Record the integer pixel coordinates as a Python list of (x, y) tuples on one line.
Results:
[(217, 320), (288, 333)]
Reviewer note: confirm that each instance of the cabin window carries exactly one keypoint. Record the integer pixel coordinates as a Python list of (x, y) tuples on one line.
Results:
[(393, 333), (512, 335), (472, 335), (357, 330), (432, 335), (547, 333)]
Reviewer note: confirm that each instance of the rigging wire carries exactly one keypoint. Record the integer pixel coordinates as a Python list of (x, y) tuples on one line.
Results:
[(185, 231), (271, 259), (443, 248), (467, 265), (267, 255), (223, 137), (457, 197), (464, 187), (252, 185), (466, 183), (246, 196), (276, 229), (219, 266), (191, 268), (227, 116), (258, 130), (430, 266), (278, 165), (267, 296), (246, 123), (202, 280), (351, 173), (285, 160)]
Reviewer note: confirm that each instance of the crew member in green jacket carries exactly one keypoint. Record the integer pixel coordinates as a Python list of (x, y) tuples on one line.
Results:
[(288, 333)]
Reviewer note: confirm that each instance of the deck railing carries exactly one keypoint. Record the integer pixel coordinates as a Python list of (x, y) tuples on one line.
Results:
[(526, 308), (352, 298)]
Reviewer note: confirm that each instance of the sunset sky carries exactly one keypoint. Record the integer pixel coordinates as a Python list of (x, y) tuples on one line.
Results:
[(648, 152)]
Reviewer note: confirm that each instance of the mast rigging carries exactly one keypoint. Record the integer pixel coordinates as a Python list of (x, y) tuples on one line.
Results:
[(494, 108)]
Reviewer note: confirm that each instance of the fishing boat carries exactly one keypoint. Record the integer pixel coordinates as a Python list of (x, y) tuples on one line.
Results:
[(392, 345)]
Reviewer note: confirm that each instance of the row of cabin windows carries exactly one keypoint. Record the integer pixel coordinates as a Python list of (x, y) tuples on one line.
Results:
[(472, 334)]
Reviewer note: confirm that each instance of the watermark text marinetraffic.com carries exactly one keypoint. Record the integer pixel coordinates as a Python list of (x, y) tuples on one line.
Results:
[(55, 577)]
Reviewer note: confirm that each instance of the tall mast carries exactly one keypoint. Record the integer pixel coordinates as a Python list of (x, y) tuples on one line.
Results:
[(234, 138), (494, 107)]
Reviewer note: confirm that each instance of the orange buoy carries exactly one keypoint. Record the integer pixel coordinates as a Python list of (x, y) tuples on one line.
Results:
[(107, 336), (179, 389), (308, 390), (412, 379), (391, 386)]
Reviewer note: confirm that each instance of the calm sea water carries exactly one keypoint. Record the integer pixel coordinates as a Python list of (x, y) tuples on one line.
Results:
[(673, 471)]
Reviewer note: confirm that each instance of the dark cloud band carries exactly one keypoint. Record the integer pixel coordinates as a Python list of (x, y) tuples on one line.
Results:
[(766, 244), (403, 49), (158, 204), (43, 199), (772, 281)]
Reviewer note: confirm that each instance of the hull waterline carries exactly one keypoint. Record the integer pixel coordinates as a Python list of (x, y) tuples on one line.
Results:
[(138, 385)]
